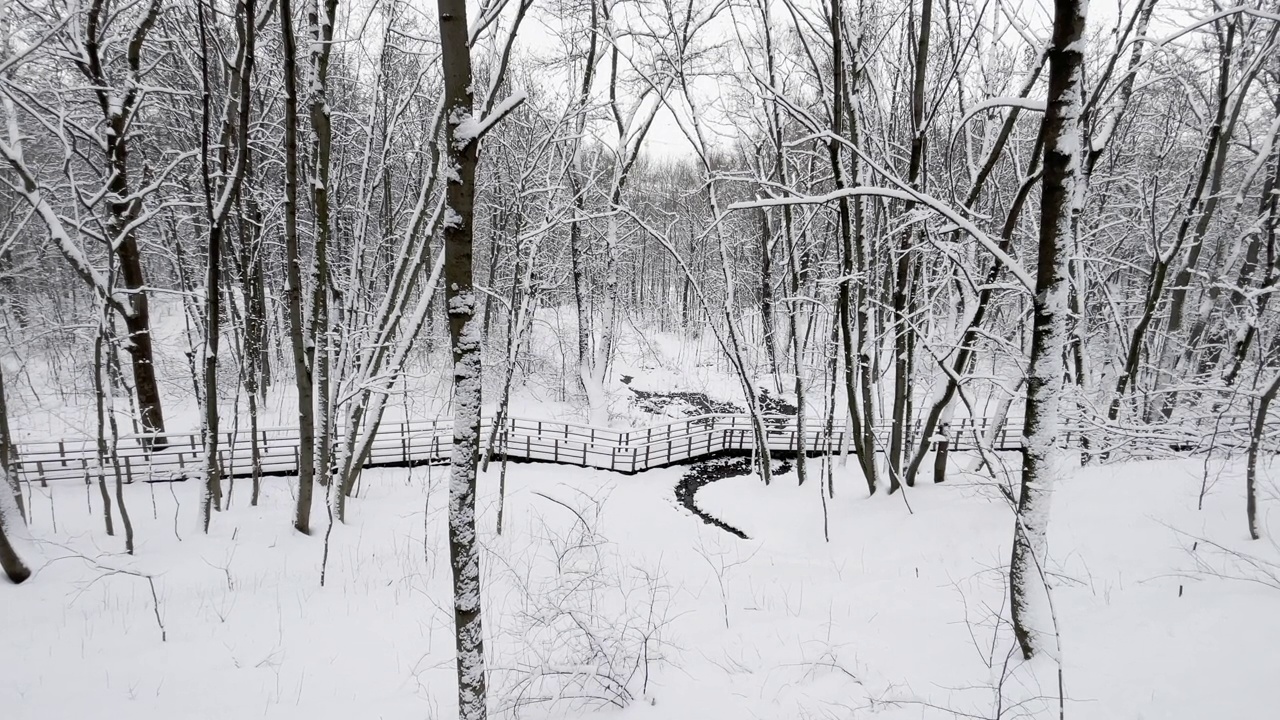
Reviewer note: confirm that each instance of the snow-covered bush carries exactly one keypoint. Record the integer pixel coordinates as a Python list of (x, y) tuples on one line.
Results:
[(577, 623)]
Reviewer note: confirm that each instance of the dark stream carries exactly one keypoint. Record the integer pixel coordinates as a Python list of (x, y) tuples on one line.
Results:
[(701, 473)]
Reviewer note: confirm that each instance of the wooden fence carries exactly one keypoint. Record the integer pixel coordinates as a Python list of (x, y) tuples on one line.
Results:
[(412, 443)]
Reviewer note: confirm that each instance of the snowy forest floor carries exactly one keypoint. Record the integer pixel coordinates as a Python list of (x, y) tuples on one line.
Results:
[(894, 617)]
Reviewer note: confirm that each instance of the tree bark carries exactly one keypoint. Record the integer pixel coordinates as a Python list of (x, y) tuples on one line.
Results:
[(855, 328), (903, 335), (297, 331), (465, 339), (1255, 449), (322, 138), (1041, 457), (13, 567), (9, 452), (123, 209)]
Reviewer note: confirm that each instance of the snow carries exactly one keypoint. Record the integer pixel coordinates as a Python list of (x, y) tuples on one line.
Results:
[(1032, 104), (909, 196), (894, 613), (470, 129)]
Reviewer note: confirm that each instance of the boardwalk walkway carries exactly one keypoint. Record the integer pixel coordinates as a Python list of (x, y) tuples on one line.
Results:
[(413, 443)]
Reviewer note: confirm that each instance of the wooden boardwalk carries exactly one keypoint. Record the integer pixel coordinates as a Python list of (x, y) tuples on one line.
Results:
[(414, 443)]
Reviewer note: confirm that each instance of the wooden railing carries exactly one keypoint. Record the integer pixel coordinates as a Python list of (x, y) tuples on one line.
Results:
[(411, 443)]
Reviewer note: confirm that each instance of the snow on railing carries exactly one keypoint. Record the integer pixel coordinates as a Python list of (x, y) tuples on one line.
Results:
[(428, 441)]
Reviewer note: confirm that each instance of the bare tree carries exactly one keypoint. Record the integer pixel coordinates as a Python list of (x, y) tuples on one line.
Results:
[(298, 332), (218, 204), (463, 132), (1041, 456), (118, 107)]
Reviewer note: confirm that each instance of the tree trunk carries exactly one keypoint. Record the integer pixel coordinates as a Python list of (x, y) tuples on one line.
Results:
[(970, 337), (767, 305), (855, 335), (322, 138), (13, 567), (465, 339), (1255, 449), (212, 497), (905, 269), (1253, 305), (1041, 457), (100, 401), (9, 452), (297, 331), (1161, 263), (123, 208)]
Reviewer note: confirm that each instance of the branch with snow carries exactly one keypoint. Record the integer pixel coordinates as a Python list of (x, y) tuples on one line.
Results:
[(905, 194), (470, 130), (1023, 103), (30, 190)]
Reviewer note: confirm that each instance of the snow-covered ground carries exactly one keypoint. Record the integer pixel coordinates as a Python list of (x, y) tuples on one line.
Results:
[(604, 575)]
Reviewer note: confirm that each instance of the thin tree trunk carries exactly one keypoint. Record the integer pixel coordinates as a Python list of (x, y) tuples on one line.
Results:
[(321, 347), (577, 246), (113, 379), (297, 331), (9, 452), (13, 567), (854, 325), (1270, 209), (793, 262), (1161, 262), (767, 305), (213, 297), (1181, 288), (1255, 449), (123, 208), (964, 357), (1096, 145), (465, 340), (903, 302), (100, 399), (1041, 457)]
